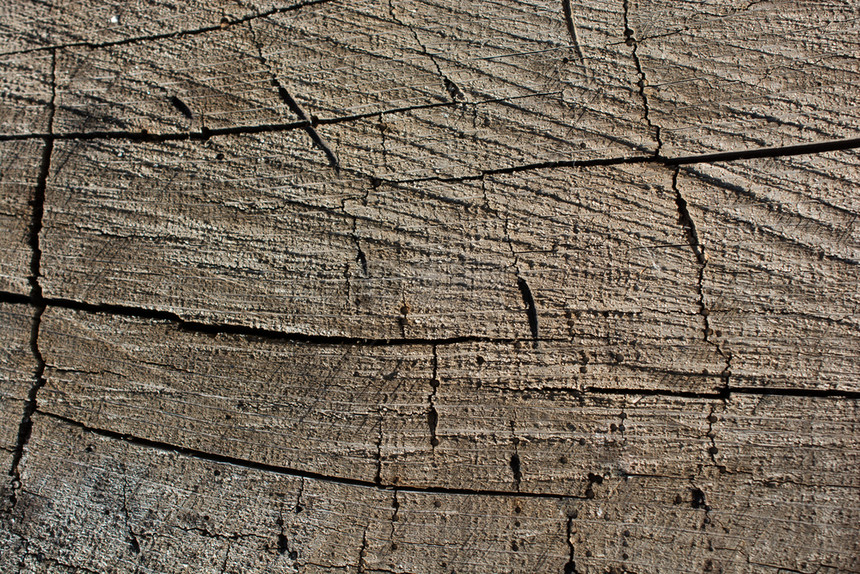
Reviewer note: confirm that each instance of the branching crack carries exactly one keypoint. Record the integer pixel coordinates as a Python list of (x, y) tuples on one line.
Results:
[(453, 90), (36, 300)]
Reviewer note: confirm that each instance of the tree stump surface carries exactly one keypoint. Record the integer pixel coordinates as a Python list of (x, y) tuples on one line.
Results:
[(411, 286)]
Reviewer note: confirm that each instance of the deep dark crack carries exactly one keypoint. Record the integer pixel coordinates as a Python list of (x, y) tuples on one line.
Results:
[(36, 299)]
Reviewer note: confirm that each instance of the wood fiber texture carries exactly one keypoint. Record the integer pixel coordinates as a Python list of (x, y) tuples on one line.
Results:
[(429, 286)]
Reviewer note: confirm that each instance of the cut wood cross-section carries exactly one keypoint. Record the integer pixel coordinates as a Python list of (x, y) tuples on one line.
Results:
[(448, 286)]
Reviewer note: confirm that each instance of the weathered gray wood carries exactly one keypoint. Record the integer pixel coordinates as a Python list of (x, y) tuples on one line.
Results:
[(170, 504)]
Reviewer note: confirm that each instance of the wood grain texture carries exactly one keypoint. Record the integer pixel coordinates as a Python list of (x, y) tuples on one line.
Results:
[(292, 524), (155, 504), (17, 376), (780, 282), (29, 26), (25, 93), (19, 173), (725, 75), (420, 260), (715, 524), (542, 103), (507, 99), (419, 415), (429, 286), (217, 77)]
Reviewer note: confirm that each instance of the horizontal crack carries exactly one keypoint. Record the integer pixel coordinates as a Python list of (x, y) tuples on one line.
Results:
[(233, 329), (726, 392), (767, 152), (206, 133), (310, 475)]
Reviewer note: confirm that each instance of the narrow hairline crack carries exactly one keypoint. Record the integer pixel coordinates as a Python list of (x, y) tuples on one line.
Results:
[(630, 40), (175, 34), (522, 284), (698, 248), (453, 90), (205, 133)]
